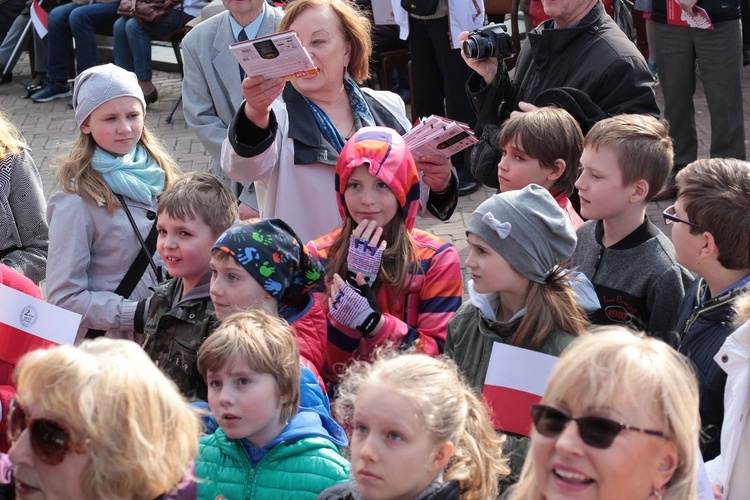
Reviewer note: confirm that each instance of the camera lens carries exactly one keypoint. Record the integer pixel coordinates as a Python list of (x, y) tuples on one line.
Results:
[(469, 47)]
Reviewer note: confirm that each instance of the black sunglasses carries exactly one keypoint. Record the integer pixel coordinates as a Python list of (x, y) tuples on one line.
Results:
[(50, 441), (670, 217), (598, 432)]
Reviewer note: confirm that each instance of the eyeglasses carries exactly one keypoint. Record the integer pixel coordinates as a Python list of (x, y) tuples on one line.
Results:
[(670, 217), (598, 432), (50, 441)]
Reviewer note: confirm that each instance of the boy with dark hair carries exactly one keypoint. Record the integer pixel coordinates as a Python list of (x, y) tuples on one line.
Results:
[(631, 263), (541, 147), (711, 234), (193, 212)]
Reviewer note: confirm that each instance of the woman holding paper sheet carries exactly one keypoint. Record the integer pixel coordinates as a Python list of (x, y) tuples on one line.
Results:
[(287, 136), (519, 292), (635, 404)]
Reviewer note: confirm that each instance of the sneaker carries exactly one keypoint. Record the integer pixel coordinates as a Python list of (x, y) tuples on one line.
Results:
[(52, 91)]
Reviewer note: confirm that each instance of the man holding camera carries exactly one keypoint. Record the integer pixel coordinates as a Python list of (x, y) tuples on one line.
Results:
[(579, 60)]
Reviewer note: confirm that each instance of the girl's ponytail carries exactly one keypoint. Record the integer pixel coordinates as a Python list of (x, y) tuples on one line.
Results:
[(476, 462)]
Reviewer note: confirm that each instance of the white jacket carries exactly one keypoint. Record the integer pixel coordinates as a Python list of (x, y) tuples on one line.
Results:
[(464, 15), (300, 193), (734, 358)]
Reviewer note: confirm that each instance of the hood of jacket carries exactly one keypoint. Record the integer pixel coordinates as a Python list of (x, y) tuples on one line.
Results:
[(384, 153)]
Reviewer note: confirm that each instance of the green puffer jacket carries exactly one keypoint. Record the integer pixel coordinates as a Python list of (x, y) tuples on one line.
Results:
[(175, 332), (289, 471)]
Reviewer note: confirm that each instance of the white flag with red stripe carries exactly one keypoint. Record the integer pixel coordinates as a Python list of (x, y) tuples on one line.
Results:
[(29, 323), (39, 18), (515, 380)]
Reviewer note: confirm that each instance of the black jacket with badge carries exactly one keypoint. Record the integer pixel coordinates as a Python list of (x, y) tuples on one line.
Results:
[(175, 330)]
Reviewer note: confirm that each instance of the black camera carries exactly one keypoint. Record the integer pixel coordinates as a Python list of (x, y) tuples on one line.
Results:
[(492, 40)]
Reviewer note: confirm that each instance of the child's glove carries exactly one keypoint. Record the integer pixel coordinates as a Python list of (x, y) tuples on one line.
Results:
[(363, 258), (356, 307)]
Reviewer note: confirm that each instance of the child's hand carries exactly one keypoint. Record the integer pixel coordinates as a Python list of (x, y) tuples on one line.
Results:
[(354, 306), (365, 255)]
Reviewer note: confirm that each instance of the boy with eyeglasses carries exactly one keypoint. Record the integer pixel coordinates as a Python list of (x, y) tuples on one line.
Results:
[(630, 262), (711, 234)]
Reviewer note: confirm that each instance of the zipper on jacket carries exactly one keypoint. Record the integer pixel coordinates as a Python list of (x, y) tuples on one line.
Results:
[(597, 263)]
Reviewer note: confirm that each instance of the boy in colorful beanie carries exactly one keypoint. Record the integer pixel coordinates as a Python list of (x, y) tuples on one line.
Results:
[(261, 263)]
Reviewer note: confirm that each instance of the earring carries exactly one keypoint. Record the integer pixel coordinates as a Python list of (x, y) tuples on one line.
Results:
[(657, 494)]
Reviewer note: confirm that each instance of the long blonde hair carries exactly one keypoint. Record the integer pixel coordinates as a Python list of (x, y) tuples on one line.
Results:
[(449, 409), (76, 176), (11, 140), (617, 365), (141, 434)]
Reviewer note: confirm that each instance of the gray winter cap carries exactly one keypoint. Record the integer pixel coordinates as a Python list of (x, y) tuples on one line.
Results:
[(100, 84), (527, 228)]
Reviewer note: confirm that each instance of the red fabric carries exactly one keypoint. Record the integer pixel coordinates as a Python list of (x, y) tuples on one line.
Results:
[(14, 279), (311, 338), (6, 394), (536, 10)]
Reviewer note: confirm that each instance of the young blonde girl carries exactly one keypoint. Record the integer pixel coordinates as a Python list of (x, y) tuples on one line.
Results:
[(519, 292), (23, 228), (92, 242), (402, 284), (417, 431)]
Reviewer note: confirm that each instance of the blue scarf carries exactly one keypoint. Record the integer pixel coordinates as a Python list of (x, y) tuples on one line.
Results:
[(361, 111), (135, 175)]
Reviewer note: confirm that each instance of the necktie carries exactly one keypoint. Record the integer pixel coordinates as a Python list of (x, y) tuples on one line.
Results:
[(241, 38)]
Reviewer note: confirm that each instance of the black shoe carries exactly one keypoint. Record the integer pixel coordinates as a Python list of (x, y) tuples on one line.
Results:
[(6, 78), (466, 188), (746, 56), (52, 91)]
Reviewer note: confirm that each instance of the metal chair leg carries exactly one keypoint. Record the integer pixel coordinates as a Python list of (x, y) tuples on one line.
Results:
[(174, 109)]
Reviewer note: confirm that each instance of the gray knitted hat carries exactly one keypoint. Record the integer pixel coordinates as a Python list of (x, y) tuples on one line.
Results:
[(100, 84), (527, 228)]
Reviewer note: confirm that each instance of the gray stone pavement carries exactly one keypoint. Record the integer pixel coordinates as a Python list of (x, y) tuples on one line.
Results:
[(50, 127)]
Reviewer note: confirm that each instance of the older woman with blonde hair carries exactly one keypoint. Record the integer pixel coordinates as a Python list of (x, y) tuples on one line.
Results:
[(634, 403), (99, 421), (286, 137)]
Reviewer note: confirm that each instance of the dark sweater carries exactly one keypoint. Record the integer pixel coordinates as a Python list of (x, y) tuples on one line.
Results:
[(633, 278)]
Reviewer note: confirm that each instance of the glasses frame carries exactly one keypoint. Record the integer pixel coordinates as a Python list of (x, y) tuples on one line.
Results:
[(538, 410), (39, 445), (670, 218)]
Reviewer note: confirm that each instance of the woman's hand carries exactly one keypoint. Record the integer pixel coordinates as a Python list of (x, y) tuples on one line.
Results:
[(365, 254), (259, 95), (487, 67), (436, 172)]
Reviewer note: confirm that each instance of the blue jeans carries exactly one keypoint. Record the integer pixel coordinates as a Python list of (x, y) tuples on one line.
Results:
[(79, 22), (133, 43)]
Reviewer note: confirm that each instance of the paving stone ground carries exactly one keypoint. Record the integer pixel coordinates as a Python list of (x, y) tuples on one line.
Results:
[(50, 127)]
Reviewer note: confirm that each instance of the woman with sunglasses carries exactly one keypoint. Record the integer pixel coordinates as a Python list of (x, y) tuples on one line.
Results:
[(619, 419), (97, 421)]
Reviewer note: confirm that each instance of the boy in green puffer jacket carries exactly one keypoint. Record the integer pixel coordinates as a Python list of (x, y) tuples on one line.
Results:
[(266, 447)]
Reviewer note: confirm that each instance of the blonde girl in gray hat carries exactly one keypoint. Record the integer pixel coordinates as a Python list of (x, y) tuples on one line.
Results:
[(102, 218), (520, 294)]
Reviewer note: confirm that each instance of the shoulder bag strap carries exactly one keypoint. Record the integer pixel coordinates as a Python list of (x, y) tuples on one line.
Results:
[(137, 268)]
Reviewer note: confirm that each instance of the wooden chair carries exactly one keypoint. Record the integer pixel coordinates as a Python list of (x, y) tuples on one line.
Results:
[(496, 11)]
